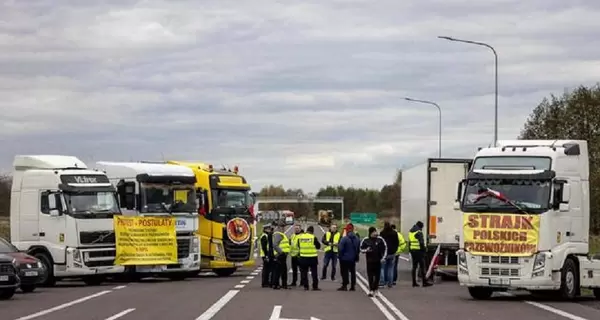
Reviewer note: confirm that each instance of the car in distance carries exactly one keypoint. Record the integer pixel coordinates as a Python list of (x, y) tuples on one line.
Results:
[(29, 269), (9, 280)]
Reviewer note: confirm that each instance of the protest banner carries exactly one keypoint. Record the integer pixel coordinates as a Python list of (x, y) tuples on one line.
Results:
[(145, 240)]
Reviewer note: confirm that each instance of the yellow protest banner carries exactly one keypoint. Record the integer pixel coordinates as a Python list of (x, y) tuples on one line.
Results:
[(499, 234), (145, 240)]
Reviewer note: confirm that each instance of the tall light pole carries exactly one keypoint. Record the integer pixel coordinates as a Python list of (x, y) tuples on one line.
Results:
[(440, 121), (496, 77)]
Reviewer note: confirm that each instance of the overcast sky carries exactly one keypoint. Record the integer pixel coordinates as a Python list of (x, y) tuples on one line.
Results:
[(302, 94)]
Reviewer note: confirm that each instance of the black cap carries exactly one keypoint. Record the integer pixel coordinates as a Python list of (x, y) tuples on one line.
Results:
[(310, 229)]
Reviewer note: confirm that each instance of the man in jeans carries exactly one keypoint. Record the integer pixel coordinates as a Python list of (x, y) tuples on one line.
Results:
[(390, 236), (330, 240)]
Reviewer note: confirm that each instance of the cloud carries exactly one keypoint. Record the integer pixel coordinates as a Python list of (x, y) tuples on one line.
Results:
[(301, 94)]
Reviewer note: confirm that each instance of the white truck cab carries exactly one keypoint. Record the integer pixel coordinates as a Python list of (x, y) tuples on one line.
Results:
[(526, 218), (148, 189), (62, 213)]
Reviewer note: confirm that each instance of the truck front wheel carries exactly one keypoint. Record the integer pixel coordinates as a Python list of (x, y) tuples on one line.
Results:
[(48, 279), (481, 293), (6, 294), (225, 272), (569, 283)]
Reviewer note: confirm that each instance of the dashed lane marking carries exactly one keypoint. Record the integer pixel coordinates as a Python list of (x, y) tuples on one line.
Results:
[(239, 286), (119, 287), (64, 305), (547, 308), (249, 277), (217, 306), (120, 314), (245, 281)]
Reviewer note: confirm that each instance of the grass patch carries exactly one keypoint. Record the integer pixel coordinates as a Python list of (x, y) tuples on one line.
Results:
[(595, 244), (4, 227)]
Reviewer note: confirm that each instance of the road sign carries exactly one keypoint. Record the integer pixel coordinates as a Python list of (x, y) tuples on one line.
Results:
[(276, 315), (363, 217)]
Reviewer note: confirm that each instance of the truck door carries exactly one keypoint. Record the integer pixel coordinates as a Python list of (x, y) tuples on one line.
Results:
[(52, 224), (444, 222)]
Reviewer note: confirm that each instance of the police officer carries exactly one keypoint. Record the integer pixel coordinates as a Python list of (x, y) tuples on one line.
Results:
[(281, 246), (267, 255), (331, 239), (308, 246), (294, 255), (416, 245)]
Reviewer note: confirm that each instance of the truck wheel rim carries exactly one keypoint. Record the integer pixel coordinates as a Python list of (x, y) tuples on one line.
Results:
[(570, 281)]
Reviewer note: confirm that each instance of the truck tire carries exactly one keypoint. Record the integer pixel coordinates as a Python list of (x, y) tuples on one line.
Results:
[(481, 293), (179, 276), (6, 294), (48, 279), (93, 280), (569, 280), (225, 272)]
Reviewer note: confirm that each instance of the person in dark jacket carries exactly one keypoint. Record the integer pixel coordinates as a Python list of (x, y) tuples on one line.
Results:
[(268, 255), (375, 251), (387, 268), (417, 248), (349, 249)]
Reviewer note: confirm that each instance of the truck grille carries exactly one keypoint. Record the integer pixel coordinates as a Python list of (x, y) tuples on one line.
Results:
[(503, 272), (236, 252), (97, 237), (99, 258), (499, 260), (183, 244), (7, 269)]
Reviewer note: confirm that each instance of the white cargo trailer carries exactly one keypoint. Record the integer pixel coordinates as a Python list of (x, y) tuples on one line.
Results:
[(428, 195)]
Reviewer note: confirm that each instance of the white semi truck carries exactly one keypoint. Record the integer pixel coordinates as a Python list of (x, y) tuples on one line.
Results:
[(526, 215), (428, 194), (62, 213), (149, 189)]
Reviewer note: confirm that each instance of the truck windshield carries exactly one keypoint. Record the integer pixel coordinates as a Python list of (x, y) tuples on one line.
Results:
[(167, 198), (531, 195), (224, 200), (92, 204)]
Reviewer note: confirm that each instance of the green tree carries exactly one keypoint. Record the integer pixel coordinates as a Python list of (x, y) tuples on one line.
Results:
[(573, 115), (5, 185)]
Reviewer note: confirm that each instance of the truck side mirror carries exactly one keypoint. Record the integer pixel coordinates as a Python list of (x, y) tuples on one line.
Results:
[(54, 212), (459, 189), (126, 191), (456, 205), (563, 207)]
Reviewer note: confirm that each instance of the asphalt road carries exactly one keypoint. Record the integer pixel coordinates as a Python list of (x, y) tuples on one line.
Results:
[(241, 297)]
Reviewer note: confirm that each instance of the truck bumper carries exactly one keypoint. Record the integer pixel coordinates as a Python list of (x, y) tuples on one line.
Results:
[(77, 264), (502, 283), (188, 264), (217, 264)]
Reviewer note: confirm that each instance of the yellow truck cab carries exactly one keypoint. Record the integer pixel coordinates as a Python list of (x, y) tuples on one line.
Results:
[(226, 218)]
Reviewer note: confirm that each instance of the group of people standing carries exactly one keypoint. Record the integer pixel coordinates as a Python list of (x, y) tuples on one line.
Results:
[(382, 251)]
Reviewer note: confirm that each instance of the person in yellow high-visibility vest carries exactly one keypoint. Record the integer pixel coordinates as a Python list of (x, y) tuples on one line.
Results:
[(331, 239), (401, 248), (281, 246), (417, 248), (308, 252), (294, 254)]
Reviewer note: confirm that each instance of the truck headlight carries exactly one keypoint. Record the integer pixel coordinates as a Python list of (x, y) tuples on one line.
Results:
[(539, 263), (195, 245), (463, 268), (76, 254)]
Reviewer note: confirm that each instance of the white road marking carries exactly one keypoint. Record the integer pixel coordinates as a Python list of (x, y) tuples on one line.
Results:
[(245, 281), (217, 306), (120, 314), (254, 273), (276, 313), (390, 305), (547, 308), (249, 277), (119, 287), (378, 304), (239, 286), (64, 305)]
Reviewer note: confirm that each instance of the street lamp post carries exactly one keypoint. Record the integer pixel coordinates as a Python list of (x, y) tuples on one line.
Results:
[(495, 76), (440, 121)]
